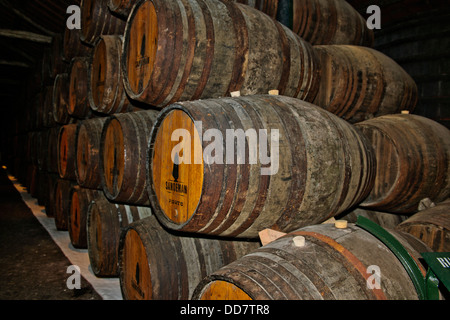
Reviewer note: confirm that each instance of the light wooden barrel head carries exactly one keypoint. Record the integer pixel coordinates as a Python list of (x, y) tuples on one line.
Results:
[(137, 284), (113, 157), (177, 180), (142, 47), (223, 290)]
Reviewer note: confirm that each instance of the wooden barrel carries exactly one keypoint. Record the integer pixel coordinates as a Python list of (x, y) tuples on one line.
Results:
[(61, 99), (106, 91), (320, 21), (47, 108), (320, 165), (156, 264), (62, 199), (67, 152), (80, 200), (359, 83), (49, 188), (333, 264), (413, 162), (269, 7), (52, 157), (42, 149), (73, 46), (97, 20), (386, 220), (201, 58), (121, 7), (431, 225), (87, 164), (78, 106), (105, 222), (123, 149), (57, 64)]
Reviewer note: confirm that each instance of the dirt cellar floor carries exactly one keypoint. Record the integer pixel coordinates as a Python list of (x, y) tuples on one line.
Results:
[(32, 266)]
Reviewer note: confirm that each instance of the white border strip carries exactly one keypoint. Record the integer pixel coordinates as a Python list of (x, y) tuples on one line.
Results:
[(107, 288)]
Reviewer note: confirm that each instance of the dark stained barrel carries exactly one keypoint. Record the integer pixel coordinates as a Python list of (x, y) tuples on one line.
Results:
[(61, 99), (52, 149), (331, 264), (97, 20), (413, 162), (213, 48), (156, 264), (431, 225), (67, 152), (121, 7), (80, 200), (106, 91), (319, 165), (73, 46), (359, 83), (62, 198), (123, 150), (105, 221), (78, 106), (386, 220), (87, 164), (320, 21)]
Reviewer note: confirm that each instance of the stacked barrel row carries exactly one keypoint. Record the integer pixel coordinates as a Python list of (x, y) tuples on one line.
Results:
[(142, 105)]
